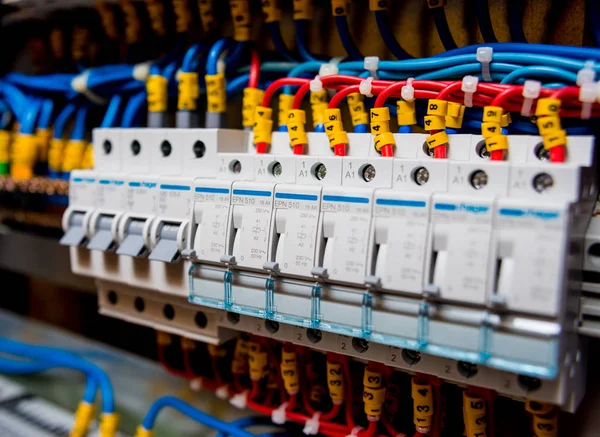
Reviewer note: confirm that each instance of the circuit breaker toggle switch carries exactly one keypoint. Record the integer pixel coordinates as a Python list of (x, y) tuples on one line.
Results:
[(252, 205), (212, 202), (294, 238), (75, 234), (460, 247), (103, 234), (344, 235), (167, 248), (401, 223), (134, 244)]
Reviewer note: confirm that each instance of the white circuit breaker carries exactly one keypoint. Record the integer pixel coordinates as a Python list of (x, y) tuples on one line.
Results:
[(406, 251)]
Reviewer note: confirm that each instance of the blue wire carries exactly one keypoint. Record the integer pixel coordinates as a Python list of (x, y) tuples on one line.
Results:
[(441, 24), (540, 72), (361, 129), (214, 54), (301, 35), (62, 119), (66, 359), (463, 70), (584, 53), (15, 367), (385, 29), (248, 422), (233, 58), (191, 57), (197, 415), (280, 47), (14, 98), (238, 84), (347, 41), (482, 10), (132, 109), (79, 130), (301, 69), (45, 117), (515, 20), (28, 122), (112, 112), (405, 129)]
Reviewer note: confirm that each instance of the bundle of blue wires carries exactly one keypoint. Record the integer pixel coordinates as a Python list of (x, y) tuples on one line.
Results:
[(46, 358), (233, 429)]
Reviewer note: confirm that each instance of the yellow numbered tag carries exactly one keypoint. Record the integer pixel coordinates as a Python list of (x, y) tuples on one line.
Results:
[(378, 5), (545, 426), (339, 8), (547, 106), (297, 138), (555, 139), (498, 142), (384, 139), (434, 122), (303, 10), (271, 11), (490, 129), (189, 91), (535, 407), (156, 86), (380, 127), (240, 13), (296, 116), (332, 115), (437, 107), (338, 137), (546, 125), (380, 114), (493, 114), (335, 382), (216, 93), (437, 140), (207, 16), (285, 104)]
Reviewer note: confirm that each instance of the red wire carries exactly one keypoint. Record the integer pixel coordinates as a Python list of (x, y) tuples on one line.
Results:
[(270, 91), (558, 154), (497, 155), (254, 69), (446, 92), (505, 95), (349, 399)]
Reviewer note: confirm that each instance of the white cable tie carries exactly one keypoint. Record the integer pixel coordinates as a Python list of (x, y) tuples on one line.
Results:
[(311, 427), (366, 86), (484, 56), (586, 74), (355, 431), (469, 87), (278, 414), (531, 91), (316, 85), (141, 71), (587, 96), (196, 384), (80, 85), (336, 60), (408, 91), (328, 70), (372, 65), (222, 392), (239, 400)]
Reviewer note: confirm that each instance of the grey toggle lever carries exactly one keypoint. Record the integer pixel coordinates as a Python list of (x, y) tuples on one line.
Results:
[(133, 244)]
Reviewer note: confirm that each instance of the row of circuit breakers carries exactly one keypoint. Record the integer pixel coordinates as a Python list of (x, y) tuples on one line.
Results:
[(463, 267)]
